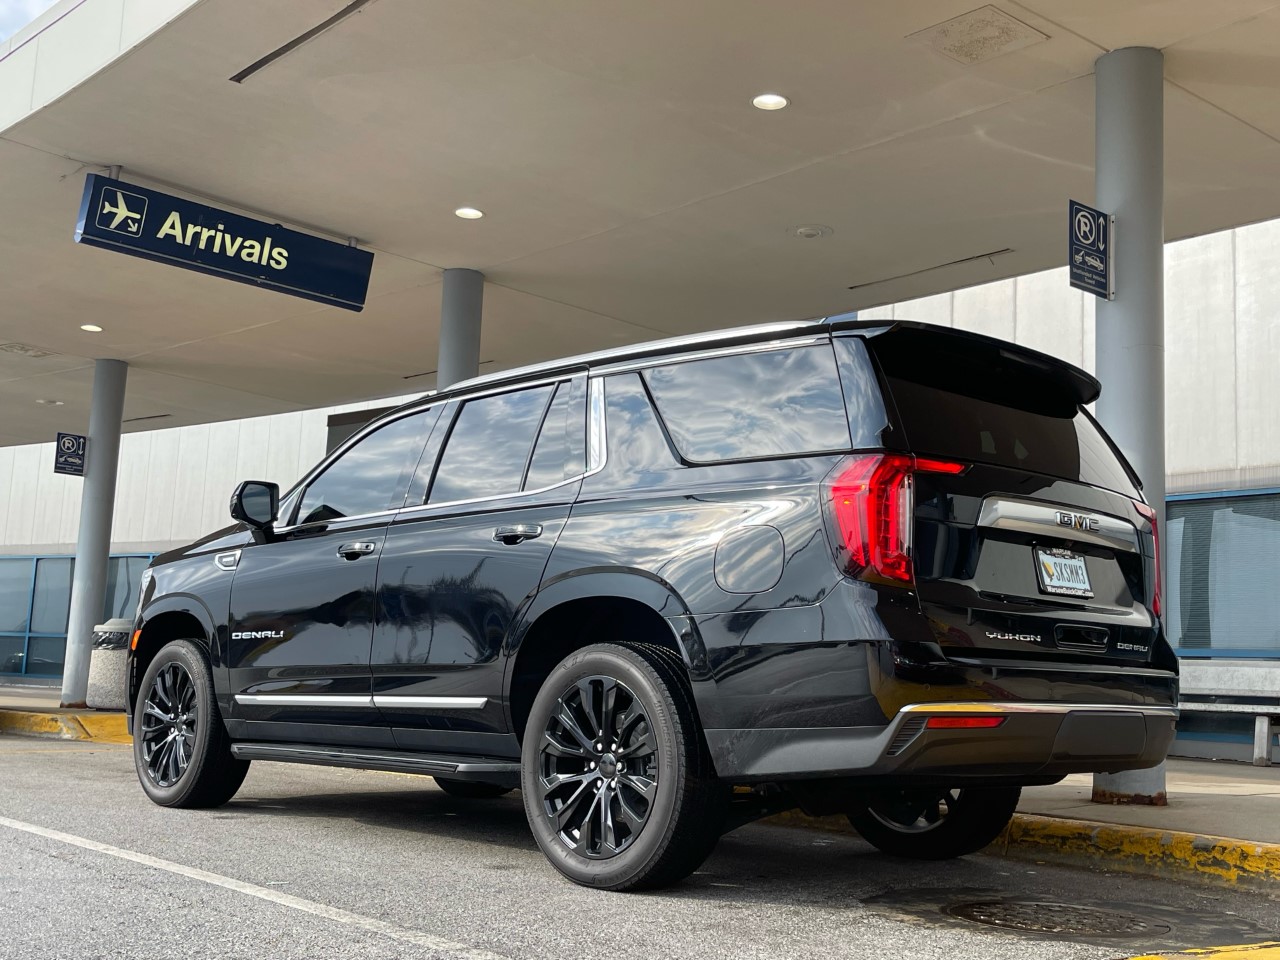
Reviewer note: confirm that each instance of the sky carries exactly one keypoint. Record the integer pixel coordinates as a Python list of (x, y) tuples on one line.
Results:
[(16, 14)]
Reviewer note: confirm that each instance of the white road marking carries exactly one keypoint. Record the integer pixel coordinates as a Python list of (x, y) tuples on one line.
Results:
[(404, 934)]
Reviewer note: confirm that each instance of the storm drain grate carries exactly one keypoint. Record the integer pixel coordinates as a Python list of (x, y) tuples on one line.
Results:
[(1058, 918)]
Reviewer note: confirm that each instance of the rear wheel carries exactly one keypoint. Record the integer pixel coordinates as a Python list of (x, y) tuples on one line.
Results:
[(618, 785), (934, 824), (180, 747), (471, 790)]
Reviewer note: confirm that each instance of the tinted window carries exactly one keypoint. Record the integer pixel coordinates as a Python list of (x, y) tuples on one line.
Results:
[(560, 451), (124, 574), (489, 445), (1055, 440), (15, 594), (638, 451), (754, 405), (370, 476), (52, 599)]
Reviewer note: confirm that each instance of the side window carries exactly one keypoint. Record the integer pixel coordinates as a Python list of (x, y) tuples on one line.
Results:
[(862, 396), (370, 476), (752, 405), (560, 452), (488, 448)]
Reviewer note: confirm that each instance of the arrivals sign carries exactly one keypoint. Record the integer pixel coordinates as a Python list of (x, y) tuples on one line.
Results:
[(1089, 250), (145, 223)]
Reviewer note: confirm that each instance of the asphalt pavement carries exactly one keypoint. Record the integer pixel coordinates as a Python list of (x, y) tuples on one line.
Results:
[(314, 862)]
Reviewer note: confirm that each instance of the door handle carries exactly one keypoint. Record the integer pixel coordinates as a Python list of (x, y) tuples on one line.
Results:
[(354, 551), (517, 533)]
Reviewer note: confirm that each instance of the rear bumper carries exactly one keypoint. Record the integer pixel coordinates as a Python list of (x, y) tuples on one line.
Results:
[(1033, 741)]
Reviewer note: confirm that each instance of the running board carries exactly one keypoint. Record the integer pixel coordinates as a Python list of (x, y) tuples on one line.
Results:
[(482, 769)]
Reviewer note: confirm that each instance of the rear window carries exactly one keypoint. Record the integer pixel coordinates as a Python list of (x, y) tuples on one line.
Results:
[(752, 406), (1038, 430)]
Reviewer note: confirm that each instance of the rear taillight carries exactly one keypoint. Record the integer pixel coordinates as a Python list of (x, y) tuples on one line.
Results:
[(1150, 516), (964, 723), (872, 501)]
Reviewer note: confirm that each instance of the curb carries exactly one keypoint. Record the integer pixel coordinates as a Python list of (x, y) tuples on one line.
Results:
[(94, 727), (1254, 951), (1220, 861)]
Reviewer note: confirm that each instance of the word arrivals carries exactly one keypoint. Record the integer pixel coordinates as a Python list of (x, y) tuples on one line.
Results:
[(251, 251)]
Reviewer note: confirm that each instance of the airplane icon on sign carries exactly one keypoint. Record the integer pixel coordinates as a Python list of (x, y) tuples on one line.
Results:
[(122, 219)]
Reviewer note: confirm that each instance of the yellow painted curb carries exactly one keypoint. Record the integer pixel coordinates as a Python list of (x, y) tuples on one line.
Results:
[(1130, 849), (1256, 951), (1125, 849), (95, 727)]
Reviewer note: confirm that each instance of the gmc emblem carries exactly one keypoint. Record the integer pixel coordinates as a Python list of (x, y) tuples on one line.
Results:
[(1078, 521)]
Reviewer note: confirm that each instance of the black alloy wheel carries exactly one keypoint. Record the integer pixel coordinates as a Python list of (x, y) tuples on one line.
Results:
[(168, 721), (618, 786), (180, 745), (934, 823), (598, 767)]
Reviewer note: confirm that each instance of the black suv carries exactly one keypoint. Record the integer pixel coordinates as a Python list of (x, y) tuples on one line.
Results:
[(882, 569)]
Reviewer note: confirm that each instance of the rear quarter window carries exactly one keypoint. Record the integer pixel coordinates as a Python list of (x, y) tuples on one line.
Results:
[(752, 406)]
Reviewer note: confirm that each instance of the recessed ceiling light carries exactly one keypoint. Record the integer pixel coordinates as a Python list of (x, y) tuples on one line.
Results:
[(770, 101), (811, 231), (90, 328), (50, 403), (468, 213)]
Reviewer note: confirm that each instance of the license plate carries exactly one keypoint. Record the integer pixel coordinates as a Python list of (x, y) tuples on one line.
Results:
[(1062, 572)]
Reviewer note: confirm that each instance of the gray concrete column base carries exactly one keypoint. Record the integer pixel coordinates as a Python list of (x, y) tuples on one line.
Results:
[(1140, 787)]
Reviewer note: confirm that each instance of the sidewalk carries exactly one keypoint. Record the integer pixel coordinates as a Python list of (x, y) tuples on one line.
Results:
[(1209, 797), (35, 712)]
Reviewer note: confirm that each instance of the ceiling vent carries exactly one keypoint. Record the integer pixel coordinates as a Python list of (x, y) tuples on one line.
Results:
[(979, 35), (25, 350)]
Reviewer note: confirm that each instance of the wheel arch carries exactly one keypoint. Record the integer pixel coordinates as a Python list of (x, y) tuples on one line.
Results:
[(574, 612), (162, 623)]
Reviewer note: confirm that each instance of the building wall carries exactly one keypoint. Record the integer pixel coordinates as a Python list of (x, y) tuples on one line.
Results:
[(1222, 347), (173, 485)]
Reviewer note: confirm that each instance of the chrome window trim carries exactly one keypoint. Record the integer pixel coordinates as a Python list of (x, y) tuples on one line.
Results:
[(768, 346), (595, 408), (406, 702), (303, 699), (1026, 516), (317, 524)]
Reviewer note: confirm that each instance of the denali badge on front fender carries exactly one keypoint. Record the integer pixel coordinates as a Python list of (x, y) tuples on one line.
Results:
[(1023, 637), (257, 635), (1078, 521)]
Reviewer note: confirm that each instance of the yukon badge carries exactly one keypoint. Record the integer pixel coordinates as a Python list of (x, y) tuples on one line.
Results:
[(1021, 637), (1078, 521)]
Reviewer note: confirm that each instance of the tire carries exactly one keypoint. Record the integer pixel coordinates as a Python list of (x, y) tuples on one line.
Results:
[(934, 824), (662, 811), (470, 789), (187, 761)]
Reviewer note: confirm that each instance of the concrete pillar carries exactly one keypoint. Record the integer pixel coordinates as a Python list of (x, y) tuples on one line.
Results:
[(93, 546), (1129, 183), (461, 301)]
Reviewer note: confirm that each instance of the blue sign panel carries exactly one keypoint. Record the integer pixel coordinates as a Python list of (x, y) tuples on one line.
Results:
[(146, 223), (1089, 250), (68, 454)]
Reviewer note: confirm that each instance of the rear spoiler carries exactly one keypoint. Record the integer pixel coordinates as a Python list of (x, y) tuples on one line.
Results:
[(927, 340)]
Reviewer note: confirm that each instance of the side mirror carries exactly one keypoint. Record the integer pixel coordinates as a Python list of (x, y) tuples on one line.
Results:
[(256, 503)]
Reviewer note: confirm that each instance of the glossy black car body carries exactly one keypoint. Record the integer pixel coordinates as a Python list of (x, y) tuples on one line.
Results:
[(416, 636)]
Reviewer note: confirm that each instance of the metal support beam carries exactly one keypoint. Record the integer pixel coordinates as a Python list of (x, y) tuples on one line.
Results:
[(93, 546), (1129, 184), (461, 304)]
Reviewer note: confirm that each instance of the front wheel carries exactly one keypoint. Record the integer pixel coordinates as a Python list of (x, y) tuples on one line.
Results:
[(617, 782), (934, 824), (180, 746)]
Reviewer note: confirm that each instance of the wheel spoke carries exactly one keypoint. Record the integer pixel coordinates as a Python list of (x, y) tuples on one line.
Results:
[(607, 834), (570, 723), (640, 784), (639, 748), (557, 749), (633, 818)]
